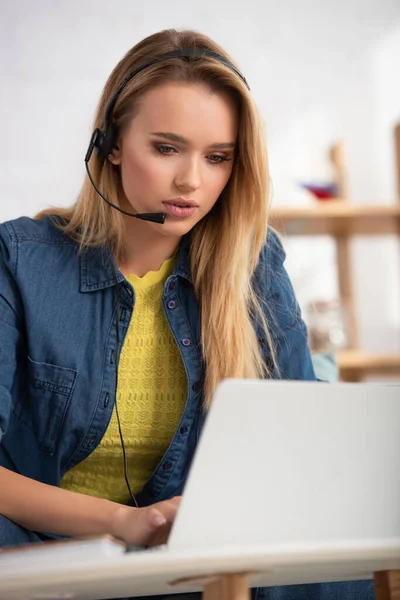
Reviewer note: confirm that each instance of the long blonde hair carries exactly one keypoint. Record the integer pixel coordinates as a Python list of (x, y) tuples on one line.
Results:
[(226, 243)]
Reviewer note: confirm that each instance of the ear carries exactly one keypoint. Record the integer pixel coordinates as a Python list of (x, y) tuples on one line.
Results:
[(115, 155)]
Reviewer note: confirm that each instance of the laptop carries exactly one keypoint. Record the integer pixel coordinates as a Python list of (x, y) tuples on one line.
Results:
[(282, 466), (288, 463)]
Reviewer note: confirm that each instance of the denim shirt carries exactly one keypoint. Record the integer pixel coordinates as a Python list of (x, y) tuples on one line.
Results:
[(58, 349)]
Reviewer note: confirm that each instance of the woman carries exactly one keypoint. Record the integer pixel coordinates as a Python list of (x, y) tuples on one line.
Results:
[(116, 330)]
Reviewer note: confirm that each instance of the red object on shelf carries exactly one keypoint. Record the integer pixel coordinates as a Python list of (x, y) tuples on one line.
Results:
[(322, 191)]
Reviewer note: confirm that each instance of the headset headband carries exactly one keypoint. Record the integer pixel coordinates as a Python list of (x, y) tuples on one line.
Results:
[(103, 140), (184, 53)]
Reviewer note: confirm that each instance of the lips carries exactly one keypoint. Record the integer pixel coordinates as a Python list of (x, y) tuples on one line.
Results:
[(180, 208), (183, 202), (182, 205)]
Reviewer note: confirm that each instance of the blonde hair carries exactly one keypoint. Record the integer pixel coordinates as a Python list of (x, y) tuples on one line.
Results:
[(226, 243)]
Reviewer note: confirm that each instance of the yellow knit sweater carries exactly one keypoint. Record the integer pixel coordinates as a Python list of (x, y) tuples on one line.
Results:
[(152, 389)]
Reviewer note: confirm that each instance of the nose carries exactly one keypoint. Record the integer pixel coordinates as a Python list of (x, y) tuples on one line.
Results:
[(188, 178)]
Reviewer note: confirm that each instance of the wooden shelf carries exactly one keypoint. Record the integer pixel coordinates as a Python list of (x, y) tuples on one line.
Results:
[(341, 220), (338, 218), (350, 361)]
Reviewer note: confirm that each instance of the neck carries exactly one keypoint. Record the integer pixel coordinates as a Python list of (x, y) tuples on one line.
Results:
[(145, 249)]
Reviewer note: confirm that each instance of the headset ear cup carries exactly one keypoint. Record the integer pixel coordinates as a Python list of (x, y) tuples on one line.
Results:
[(107, 141)]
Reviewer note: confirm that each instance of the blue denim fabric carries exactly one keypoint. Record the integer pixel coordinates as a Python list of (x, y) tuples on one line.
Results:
[(58, 349), (12, 534), (58, 361), (348, 590)]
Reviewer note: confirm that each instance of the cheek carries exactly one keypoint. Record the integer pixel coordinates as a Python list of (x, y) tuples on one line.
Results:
[(217, 181), (143, 174)]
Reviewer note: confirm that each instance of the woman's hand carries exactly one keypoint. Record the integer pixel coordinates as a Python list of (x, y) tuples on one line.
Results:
[(148, 526), (63, 512)]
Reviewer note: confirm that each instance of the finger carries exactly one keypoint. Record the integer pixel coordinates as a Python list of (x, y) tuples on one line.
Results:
[(160, 528), (156, 521), (169, 508), (157, 518)]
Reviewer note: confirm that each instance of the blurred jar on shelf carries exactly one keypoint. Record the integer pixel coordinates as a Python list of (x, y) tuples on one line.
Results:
[(327, 330)]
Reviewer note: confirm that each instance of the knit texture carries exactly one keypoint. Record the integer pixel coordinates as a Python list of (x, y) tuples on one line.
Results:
[(152, 389)]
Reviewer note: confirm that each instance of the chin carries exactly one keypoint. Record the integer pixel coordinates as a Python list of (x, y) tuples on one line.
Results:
[(175, 228)]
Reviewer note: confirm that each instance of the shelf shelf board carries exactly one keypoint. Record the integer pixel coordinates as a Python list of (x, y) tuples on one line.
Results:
[(337, 218), (368, 363)]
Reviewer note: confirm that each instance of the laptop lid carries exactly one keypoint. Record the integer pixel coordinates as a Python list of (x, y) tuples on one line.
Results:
[(294, 464)]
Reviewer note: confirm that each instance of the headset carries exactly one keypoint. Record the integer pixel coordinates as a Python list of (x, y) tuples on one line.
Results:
[(103, 141)]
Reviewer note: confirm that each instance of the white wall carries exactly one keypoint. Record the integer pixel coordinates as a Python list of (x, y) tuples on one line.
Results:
[(317, 70)]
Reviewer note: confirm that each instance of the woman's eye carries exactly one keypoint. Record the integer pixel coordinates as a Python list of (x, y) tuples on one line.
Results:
[(165, 149), (216, 159)]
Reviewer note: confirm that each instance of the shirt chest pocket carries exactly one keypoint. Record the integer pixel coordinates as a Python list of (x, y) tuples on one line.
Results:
[(49, 392)]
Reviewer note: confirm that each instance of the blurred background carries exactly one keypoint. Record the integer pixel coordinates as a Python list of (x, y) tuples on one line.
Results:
[(321, 73)]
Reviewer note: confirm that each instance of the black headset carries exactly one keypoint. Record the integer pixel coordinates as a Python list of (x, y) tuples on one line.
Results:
[(103, 140)]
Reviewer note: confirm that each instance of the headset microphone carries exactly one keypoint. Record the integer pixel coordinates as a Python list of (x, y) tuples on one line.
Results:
[(153, 217)]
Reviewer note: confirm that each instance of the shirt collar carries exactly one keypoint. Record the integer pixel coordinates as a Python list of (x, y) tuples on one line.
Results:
[(96, 267)]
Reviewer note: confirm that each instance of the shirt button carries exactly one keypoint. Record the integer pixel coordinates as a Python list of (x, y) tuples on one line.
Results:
[(112, 357), (106, 400), (167, 465), (92, 441), (196, 386), (171, 304), (186, 342), (183, 429), (172, 285)]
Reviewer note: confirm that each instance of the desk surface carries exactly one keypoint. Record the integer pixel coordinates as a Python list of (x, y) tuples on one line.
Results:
[(168, 572)]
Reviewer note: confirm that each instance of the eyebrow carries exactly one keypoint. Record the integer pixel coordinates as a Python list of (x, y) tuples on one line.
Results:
[(172, 137)]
